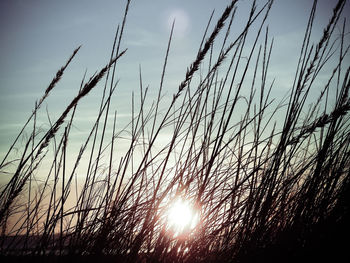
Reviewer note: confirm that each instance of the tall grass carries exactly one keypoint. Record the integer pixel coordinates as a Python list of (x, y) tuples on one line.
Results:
[(265, 189)]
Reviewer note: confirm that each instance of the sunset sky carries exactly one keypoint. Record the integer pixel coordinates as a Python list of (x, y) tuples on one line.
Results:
[(38, 36)]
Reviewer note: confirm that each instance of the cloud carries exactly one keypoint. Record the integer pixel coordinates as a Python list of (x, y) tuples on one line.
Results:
[(144, 38)]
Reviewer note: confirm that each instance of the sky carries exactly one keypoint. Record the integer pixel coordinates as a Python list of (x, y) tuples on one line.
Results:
[(37, 37)]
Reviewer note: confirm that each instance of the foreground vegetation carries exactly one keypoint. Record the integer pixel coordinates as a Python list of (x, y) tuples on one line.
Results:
[(269, 179)]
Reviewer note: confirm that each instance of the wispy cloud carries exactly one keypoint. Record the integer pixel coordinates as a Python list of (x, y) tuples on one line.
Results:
[(144, 38)]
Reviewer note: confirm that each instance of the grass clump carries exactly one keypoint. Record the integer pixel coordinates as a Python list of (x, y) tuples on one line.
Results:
[(264, 190)]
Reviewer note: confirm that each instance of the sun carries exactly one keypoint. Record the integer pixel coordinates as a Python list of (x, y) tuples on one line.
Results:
[(181, 217)]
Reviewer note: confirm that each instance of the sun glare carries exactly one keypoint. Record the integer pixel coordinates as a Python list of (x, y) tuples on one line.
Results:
[(182, 22), (181, 217)]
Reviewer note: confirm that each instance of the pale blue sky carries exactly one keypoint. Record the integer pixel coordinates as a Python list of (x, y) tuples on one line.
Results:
[(37, 36)]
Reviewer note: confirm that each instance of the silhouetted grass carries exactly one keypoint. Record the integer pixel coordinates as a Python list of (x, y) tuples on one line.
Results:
[(266, 190)]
